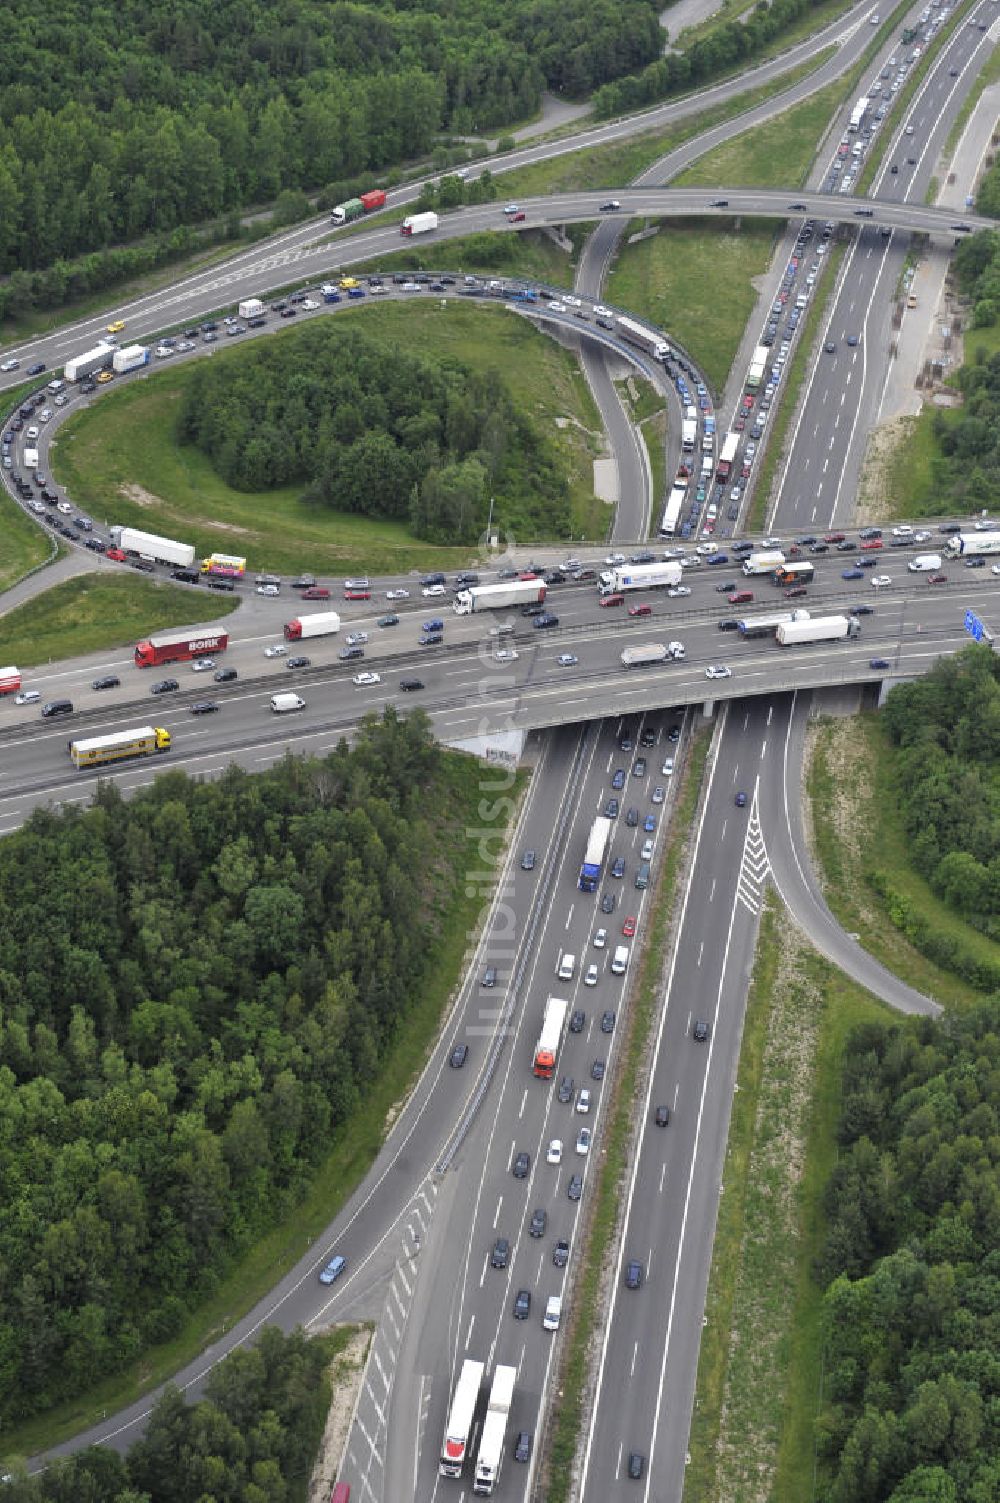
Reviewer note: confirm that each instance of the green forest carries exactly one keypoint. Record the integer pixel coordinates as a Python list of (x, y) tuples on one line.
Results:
[(252, 1439), (120, 120), (376, 429), (945, 727), (911, 1320), (196, 988)]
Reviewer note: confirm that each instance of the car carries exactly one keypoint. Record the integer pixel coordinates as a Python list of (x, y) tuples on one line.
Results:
[(879, 663), (975, 563), (109, 681), (718, 670), (505, 655), (583, 1100), (411, 685), (628, 927), (298, 662), (545, 620), (583, 1138), (597, 1070), (105, 376), (632, 818), (458, 1056), (940, 578), (567, 660), (279, 650), (116, 326), (611, 205), (611, 808), (618, 778), (636, 1460), (432, 592), (554, 1152), (522, 1164), (27, 697), (700, 1031), (528, 861), (204, 707), (575, 1187), (578, 1021), (639, 767), (560, 1253), (902, 531), (360, 638), (364, 680), (661, 1116), (539, 1221), (522, 1446), (489, 976), (741, 800), (658, 794), (879, 581), (633, 1274), (566, 1088), (522, 1304), (718, 558), (618, 865), (389, 620), (847, 546), (500, 1255), (511, 208), (333, 1270), (608, 902), (830, 347), (164, 686), (398, 594), (649, 823), (202, 665), (853, 574), (607, 1021)]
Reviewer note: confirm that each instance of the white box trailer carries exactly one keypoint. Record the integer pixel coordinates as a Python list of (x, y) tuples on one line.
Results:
[(689, 434), (131, 358), (164, 550), (764, 563), (79, 367), (817, 629), (972, 542), (419, 224), (664, 575), (649, 340), (491, 1445), (651, 654), (251, 307), (499, 597), (458, 1426)]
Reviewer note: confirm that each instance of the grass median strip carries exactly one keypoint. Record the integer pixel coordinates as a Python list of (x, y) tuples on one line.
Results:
[(566, 1427)]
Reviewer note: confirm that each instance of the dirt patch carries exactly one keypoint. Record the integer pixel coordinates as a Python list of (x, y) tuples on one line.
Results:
[(140, 496), (874, 490), (838, 744), (346, 1372), (246, 532)]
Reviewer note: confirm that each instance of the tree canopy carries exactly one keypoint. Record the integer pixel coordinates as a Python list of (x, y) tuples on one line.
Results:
[(369, 427)]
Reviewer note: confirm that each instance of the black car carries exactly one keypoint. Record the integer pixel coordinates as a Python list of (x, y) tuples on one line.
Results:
[(950, 527), (432, 579), (618, 866), (522, 1446), (500, 1255), (57, 706), (700, 1031), (186, 576), (109, 681), (164, 686), (608, 902), (204, 707), (729, 624), (490, 976), (608, 1021), (560, 1253), (522, 1164), (298, 663), (539, 1221), (134, 563), (459, 1055), (631, 819), (215, 582), (661, 1116), (225, 675), (648, 737), (37, 368), (546, 619), (430, 638), (611, 808), (636, 1460), (975, 563), (597, 1070), (522, 1304), (96, 545), (861, 610), (565, 1092), (528, 861), (575, 1187), (633, 1274), (408, 685)]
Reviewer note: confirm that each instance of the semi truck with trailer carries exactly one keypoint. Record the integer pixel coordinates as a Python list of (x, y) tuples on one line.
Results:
[(10, 680), (858, 113), (758, 365), (651, 654), (765, 562), (968, 544), (676, 502), (550, 1037), (795, 574), (640, 577), (491, 1444), (499, 597), (419, 224), (251, 307), (458, 1427), (689, 434), (320, 624), (164, 550), (224, 565), (650, 341), (119, 746), (178, 647), (356, 208), (593, 857), (79, 367), (730, 445), (817, 629), (766, 626), (132, 358)]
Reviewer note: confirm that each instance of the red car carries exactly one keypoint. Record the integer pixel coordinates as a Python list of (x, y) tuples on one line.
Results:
[(640, 610), (518, 218), (937, 579), (117, 554), (357, 594), (607, 600), (628, 928), (748, 403), (871, 543), (527, 574), (740, 423), (835, 537), (740, 597), (317, 592)]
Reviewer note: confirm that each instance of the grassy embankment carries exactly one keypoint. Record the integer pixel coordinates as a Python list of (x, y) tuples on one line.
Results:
[(352, 1150), (119, 459)]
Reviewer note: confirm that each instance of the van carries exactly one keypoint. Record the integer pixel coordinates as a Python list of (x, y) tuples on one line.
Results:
[(642, 875), (619, 964), (925, 563), (707, 464), (567, 965), (553, 1313), (57, 707), (282, 704)]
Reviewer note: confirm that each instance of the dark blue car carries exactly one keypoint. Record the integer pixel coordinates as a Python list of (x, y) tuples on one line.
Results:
[(853, 574)]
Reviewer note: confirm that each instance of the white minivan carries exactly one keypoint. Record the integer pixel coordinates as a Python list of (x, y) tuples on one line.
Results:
[(924, 563), (283, 704), (619, 964)]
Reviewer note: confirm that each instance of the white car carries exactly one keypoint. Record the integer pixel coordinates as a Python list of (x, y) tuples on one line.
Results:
[(202, 665), (925, 537), (995, 568), (984, 525), (600, 939), (553, 1154), (184, 345), (557, 307), (573, 302), (397, 594), (432, 592), (673, 553), (364, 679), (718, 670), (356, 638), (64, 507), (706, 548), (512, 208), (583, 1140), (164, 351), (668, 767), (591, 977), (37, 506), (10, 365), (278, 651), (28, 697), (308, 304), (772, 542), (902, 532), (646, 854), (659, 794), (567, 660), (880, 580), (268, 589), (614, 559), (505, 655), (601, 312), (583, 1100), (678, 590)]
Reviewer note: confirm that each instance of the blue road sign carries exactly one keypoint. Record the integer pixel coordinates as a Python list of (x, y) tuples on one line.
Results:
[(974, 626)]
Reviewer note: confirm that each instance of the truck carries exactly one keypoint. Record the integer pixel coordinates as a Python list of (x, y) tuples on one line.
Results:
[(31, 458), (131, 358), (491, 1444), (651, 654), (79, 367), (858, 113), (356, 208), (10, 680), (593, 856), (227, 565), (143, 741), (164, 550), (640, 577), (795, 574), (498, 597), (818, 629), (649, 340), (320, 624), (689, 434), (766, 626), (251, 307), (730, 444), (758, 365), (765, 562), (459, 1423), (178, 647), (972, 543), (676, 502), (550, 1037), (419, 224)]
